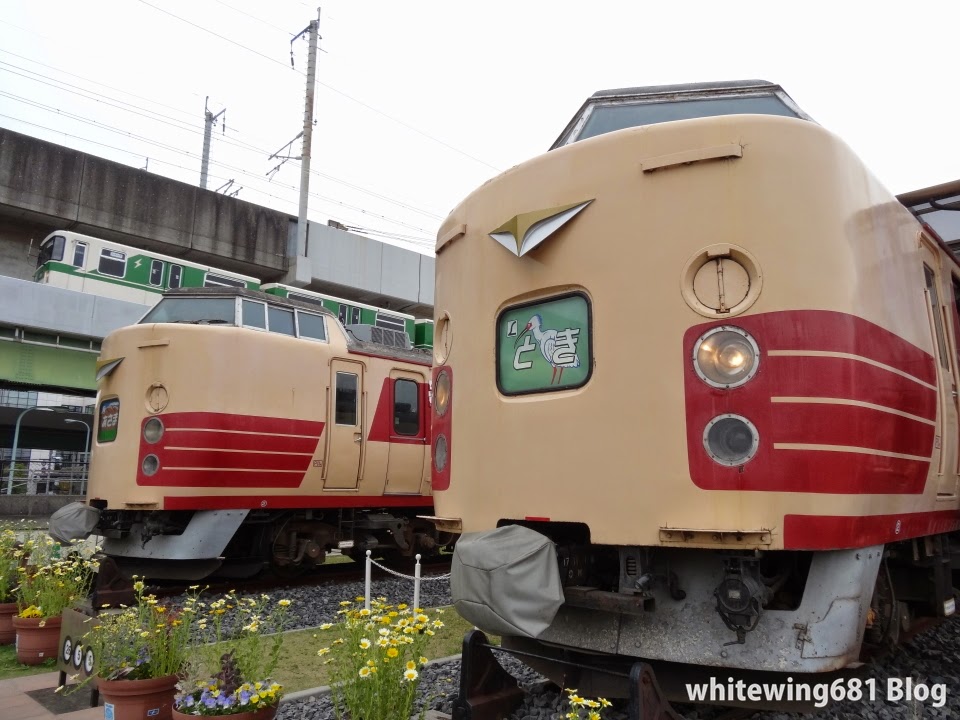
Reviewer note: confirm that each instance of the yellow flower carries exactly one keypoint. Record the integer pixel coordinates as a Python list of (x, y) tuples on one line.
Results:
[(593, 715), (323, 651), (437, 624), (409, 675), (359, 598), (364, 612), (402, 606), (254, 698), (422, 618), (283, 603), (392, 652), (364, 644), (326, 626), (364, 672), (422, 660), (411, 665)]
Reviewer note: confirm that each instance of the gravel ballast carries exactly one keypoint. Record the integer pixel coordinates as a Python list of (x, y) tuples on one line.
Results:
[(932, 658)]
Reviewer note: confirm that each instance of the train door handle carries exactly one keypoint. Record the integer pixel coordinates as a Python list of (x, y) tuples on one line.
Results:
[(357, 437)]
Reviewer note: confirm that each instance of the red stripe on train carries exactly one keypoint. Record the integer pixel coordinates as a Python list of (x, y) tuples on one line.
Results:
[(219, 460), (252, 502), (831, 532), (225, 479), (825, 424), (223, 440), (247, 423), (845, 379), (183, 465), (828, 331), (818, 471)]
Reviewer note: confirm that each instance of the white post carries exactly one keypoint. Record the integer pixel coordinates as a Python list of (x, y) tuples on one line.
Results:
[(366, 582), (416, 584)]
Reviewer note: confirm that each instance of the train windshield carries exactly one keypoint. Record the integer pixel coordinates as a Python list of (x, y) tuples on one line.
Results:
[(200, 310), (51, 249), (610, 118)]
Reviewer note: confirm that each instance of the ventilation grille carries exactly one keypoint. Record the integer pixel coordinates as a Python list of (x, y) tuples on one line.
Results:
[(381, 336)]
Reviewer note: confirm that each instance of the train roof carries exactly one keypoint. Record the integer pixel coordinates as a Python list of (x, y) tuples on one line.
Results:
[(939, 208), (354, 345), (675, 102), (244, 292)]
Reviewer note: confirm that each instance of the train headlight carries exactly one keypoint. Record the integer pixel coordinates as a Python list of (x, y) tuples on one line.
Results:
[(441, 393), (153, 430), (731, 439), (151, 463), (726, 357), (440, 453)]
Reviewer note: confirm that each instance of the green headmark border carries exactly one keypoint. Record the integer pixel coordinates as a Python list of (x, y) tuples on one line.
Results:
[(532, 303)]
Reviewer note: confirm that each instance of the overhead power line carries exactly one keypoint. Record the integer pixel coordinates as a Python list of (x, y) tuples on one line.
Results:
[(187, 153), (184, 126), (328, 86)]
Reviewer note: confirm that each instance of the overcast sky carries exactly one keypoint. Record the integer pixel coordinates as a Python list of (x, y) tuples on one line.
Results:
[(418, 103)]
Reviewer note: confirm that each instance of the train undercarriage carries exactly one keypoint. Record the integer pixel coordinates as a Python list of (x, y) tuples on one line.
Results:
[(689, 615), (194, 545)]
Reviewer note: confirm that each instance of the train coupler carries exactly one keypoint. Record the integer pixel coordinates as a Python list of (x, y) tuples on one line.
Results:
[(487, 691)]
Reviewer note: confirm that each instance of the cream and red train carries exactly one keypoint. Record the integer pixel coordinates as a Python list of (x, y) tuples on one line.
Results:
[(237, 429), (695, 394)]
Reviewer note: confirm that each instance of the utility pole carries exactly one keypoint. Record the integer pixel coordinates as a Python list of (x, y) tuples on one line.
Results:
[(209, 121), (301, 273)]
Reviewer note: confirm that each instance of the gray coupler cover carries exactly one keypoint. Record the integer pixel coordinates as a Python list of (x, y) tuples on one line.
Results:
[(73, 522), (506, 581)]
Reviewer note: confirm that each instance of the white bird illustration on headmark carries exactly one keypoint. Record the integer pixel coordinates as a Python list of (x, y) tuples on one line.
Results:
[(547, 340)]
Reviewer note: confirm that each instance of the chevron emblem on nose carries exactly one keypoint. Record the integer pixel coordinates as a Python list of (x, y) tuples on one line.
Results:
[(524, 232)]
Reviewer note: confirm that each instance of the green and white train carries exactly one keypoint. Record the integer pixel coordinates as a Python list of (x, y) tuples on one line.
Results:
[(101, 267)]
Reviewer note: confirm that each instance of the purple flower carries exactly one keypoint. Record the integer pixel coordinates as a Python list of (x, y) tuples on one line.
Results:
[(210, 702), (244, 697)]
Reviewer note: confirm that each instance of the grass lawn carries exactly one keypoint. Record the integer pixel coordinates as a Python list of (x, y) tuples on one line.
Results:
[(300, 667)]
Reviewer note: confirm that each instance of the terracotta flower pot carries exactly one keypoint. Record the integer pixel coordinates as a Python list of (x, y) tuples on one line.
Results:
[(8, 635), (264, 713), (37, 639), (150, 699)]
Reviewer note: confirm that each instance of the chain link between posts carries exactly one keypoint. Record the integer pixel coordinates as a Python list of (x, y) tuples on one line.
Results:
[(416, 579)]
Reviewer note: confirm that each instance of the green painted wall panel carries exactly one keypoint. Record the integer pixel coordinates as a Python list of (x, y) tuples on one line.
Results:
[(39, 365)]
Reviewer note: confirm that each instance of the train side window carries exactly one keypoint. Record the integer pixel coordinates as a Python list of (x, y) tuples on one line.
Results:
[(79, 254), (342, 314), (156, 272), (406, 409), (355, 316), (113, 263), (346, 412), (254, 315), (176, 274), (311, 326), (937, 317), (213, 280), (280, 320), (390, 321)]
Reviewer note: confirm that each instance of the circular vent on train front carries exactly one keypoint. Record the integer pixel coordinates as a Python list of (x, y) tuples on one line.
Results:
[(721, 281)]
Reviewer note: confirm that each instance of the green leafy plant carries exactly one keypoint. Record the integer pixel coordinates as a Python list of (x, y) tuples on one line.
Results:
[(47, 584), (8, 564), (377, 656), (584, 708), (232, 673), (147, 640)]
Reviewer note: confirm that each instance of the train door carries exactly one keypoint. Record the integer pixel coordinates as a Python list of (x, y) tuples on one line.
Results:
[(408, 437), (944, 459), (345, 426)]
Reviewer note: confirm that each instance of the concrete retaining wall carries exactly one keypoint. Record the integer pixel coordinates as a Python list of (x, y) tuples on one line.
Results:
[(22, 506)]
